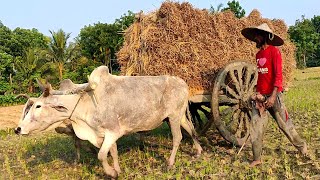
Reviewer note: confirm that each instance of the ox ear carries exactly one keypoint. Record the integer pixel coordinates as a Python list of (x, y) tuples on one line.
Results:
[(32, 100), (27, 107), (60, 108)]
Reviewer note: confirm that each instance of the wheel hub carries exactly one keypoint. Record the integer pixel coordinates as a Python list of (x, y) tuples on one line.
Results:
[(244, 102)]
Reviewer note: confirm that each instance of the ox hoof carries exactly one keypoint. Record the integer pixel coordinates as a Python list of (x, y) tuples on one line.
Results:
[(197, 156), (112, 173), (170, 167), (76, 161), (118, 170)]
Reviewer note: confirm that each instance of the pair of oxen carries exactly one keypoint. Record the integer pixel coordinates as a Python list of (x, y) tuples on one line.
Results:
[(109, 107)]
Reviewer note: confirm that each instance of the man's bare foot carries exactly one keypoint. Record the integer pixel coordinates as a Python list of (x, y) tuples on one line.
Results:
[(255, 163), (303, 150)]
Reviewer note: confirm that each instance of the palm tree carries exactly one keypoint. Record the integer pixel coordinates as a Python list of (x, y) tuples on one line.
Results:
[(59, 52), (29, 66)]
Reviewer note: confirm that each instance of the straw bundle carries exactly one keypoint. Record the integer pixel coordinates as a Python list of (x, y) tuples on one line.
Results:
[(193, 44)]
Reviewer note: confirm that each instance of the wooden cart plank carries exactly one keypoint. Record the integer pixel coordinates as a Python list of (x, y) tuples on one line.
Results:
[(200, 98)]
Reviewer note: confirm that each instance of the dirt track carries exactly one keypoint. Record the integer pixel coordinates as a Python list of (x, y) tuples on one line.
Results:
[(9, 116)]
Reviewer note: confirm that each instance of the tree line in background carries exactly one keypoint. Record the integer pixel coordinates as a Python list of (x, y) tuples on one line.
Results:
[(306, 36), (27, 54)]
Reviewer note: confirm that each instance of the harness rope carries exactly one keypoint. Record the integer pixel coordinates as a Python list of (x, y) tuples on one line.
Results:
[(75, 105)]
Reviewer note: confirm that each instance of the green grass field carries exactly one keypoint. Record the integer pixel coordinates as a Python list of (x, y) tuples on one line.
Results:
[(52, 156)]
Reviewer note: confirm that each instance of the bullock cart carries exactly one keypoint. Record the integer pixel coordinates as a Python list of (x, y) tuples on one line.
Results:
[(227, 106), (190, 43)]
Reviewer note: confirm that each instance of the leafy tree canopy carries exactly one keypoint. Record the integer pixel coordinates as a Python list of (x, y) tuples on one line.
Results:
[(233, 6), (6, 65), (316, 23), (6, 36), (306, 38), (17, 42), (101, 40), (236, 8), (29, 38)]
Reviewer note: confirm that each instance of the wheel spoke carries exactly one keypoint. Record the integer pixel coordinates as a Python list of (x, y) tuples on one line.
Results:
[(247, 119), (240, 124), (229, 110), (248, 78), (249, 115), (252, 81), (246, 124), (235, 81), (240, 74), (230, 91), (225, 100), (252, 85), (233, 119), (226, 111)]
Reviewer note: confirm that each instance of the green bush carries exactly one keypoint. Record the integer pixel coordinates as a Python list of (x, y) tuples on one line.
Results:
[(4, 87), (9, 100)]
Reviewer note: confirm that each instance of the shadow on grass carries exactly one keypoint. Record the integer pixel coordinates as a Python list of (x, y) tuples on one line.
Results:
[(156, 143), (50, 149), (46, 149)]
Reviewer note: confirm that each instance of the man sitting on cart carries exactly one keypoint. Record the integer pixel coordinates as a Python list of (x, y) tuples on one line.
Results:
[(269, 91)]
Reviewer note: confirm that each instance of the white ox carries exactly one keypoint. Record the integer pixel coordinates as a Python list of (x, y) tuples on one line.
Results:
[(109, 107)]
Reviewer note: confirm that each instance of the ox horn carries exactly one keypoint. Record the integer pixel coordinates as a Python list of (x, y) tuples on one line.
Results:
[(41, 86), (45, 88), (22, 95)]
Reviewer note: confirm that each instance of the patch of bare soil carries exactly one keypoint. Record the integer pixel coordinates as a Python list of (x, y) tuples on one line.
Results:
[(10, 116)]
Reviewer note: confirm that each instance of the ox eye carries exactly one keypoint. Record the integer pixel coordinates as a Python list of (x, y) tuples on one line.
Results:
[(38, 106)]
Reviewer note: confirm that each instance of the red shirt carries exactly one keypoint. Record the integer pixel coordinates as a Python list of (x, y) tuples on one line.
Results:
[(269, 64)]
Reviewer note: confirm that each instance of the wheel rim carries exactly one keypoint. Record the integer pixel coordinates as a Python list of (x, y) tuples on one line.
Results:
[(230, 100)]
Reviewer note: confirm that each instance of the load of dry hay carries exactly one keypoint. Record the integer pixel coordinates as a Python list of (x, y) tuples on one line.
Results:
[(193, 44)]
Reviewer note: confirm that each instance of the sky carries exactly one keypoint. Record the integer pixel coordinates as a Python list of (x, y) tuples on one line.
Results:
[(73, 15)]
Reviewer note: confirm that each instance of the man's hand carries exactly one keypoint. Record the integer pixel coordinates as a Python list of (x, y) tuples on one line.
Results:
[(270, 101)]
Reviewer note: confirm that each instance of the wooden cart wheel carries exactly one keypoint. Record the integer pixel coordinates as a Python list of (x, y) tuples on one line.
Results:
[(230, 104)]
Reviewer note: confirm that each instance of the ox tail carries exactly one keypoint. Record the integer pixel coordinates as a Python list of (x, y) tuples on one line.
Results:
[(189, 120)]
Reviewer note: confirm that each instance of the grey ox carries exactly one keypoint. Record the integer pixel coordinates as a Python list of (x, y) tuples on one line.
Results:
[(108, 107)]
